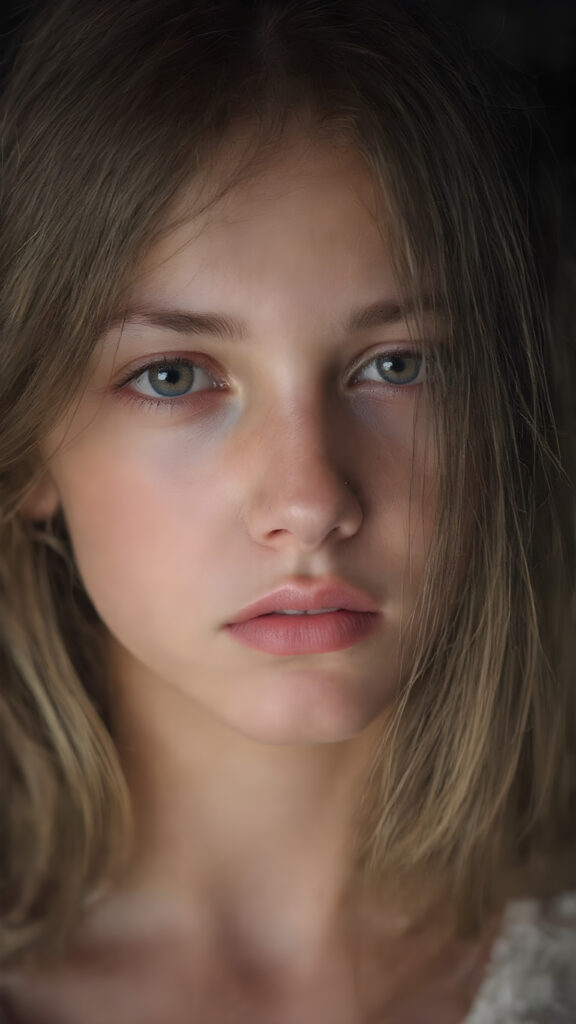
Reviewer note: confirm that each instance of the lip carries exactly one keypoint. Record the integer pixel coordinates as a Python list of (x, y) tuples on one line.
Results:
[(305, 634), (301, 596), (260, 627)]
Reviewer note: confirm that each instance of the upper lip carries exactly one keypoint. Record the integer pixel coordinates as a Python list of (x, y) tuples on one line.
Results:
[(312, 596)]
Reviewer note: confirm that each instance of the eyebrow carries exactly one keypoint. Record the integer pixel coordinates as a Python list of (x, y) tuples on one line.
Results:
[(378, 314)]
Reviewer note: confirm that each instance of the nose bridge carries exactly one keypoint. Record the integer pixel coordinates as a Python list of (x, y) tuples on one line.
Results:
[(299, 480), (302, 431)]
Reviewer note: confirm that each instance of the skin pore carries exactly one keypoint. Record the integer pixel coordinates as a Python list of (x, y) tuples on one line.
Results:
[(289, 457)]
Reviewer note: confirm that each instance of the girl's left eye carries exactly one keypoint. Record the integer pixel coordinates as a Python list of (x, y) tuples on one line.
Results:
[(395, 368)]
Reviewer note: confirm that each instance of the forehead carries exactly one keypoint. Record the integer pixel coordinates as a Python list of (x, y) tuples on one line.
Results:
[(308, 217)]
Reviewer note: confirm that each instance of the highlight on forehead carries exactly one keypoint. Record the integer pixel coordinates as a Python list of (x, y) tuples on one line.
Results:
[(252, 152)]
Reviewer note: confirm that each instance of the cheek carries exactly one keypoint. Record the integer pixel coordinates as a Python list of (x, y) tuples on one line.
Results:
[(135, 531), (400, 469)]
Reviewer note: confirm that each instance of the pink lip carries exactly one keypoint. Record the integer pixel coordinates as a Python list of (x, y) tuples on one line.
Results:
[(258, 626), (309, 596), (306, 634)]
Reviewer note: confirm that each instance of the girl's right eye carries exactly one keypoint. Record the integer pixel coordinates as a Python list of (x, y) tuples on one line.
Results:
[(166, 380)]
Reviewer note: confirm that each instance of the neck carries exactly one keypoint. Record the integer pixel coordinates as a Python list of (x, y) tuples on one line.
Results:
[(252, 841)]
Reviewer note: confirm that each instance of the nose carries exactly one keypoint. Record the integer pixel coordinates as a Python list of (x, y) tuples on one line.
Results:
[(301, 494)]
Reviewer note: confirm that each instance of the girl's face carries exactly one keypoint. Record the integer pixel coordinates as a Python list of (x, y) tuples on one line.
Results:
[(291, 442)]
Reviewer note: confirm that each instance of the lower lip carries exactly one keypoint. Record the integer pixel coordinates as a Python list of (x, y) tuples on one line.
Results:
[(305, 634)]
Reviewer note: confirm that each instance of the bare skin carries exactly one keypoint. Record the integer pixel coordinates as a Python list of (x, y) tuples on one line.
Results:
[(392, 974), (246, 769)]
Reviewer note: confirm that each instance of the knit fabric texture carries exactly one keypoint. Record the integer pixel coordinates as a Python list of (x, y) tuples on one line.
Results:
[(531, 977)]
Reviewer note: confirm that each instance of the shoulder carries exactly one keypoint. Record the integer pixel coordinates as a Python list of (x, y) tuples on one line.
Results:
[(531, 978)]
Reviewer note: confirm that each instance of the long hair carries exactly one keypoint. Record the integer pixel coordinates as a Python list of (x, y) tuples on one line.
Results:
[(109, 111)]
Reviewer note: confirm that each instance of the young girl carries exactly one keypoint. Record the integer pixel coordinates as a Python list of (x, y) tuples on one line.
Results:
[(287, 554)]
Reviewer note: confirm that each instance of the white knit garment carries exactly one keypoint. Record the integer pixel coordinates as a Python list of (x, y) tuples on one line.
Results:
[(531, 978)]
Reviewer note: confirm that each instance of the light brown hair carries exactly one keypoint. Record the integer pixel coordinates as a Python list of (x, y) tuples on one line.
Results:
[(109, 111)]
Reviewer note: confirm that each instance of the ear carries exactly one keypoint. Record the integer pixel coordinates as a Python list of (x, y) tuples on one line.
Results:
[(42, 501)]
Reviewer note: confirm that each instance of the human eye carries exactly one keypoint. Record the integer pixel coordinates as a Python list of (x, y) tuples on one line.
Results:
[(397, 368), (164, 381)]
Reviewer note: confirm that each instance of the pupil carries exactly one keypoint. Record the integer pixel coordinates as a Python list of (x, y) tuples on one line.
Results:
[(169, 376), (404, 367), (176, 378)]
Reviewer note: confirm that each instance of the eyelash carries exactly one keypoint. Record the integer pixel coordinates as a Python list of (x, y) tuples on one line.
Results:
[(170, 361)]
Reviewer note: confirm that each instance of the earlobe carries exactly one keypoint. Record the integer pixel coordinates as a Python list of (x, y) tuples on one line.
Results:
[(42, 501)]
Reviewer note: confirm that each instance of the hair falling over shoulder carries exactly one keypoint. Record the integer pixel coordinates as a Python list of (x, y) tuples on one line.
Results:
[(109, 111)]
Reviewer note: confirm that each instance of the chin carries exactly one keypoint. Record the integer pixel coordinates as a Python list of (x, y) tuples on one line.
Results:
[(310, 709)]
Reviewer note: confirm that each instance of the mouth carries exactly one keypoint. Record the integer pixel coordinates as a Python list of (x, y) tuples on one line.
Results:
[(314, 632), (311, 611), (303, 596)]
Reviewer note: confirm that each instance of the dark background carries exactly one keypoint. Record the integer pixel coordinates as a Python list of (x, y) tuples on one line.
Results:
[(535, 37)]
